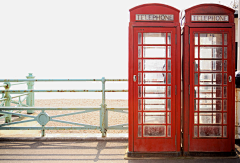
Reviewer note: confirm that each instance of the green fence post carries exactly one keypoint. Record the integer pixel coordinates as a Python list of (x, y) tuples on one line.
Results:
[(30, 97), (103, 112), (8, 97)]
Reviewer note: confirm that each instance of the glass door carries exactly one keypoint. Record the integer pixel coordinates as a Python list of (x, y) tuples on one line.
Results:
[(210, 85), (154, 89)]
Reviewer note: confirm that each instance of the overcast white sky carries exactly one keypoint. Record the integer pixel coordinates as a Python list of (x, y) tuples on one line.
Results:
[(69, 38)]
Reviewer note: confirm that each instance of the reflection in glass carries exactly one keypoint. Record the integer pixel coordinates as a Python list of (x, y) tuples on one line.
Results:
[(225, 78), (195, 131), (154, 51), (210, 39), (154, 104), (169, 130), (154, 65), (210, 105), (210, 52), (154, 131), (169, 91), (196, 65), (154, 38), (210, 92), (224, 105), (195, 118), (169, 117), (154, 78), (210, 78), (225, 66), (169, 65), (169, 38), (210, 118), (195, 105), (139, 78), (169, 78), (139, 91), (225, 52), (154, 91), (139, 38), (224, 118), (196, 79), (211, 65), (154, 118), (195, 92), (210, 131), (139, 52), (224, 131), (139, 117), (224, 92)]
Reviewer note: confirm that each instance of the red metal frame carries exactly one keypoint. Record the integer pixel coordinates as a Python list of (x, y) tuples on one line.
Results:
[(154, 144), (217, 144)]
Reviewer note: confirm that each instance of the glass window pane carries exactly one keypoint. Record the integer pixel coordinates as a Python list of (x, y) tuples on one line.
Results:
[(210, 92), (154, 104), (224, 105), (154, 78), (154, 91), (154, 130), (196, 65), (195, 92), (225, 78), (169, 38), (210, 118), (224, 131), (196, 38), (211, 65), (139, 38), (139, 65), (139, 131), (210, 78), (154, 65), (210, 39), (210, 105), (225, 39), (225, 66), (169, 78), (169, 130), (195, 105), (169, 51), (224, 118), (139, 78), (195, 131), (169, 117), (196, 79), (139, 117), (139, 104), (225, 52), (195, 118), (139, 91), (210, 131), (210, 52), (139, 52), (154, 51), (224, 92), (154, 118), (169, 65), (154, 38), (169, 91), (196, 52), (168, 104)]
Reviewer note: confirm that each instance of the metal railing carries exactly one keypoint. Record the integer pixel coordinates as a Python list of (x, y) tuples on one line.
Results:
[(43, 118)]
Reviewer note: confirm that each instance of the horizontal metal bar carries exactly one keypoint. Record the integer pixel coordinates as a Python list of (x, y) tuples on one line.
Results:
[(117, 108), (80, 112), (16, 102), (49, 108), (3, 99), (116, 79), (119, 111), (120, 126), (46, 80), (49, 128), (73, 123), (13, 123), (17, 83), (32, 90), (20, 95), (124, 90), (12, 113)]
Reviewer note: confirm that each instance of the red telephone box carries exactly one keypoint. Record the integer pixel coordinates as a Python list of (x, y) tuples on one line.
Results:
[(154, 81), (208, 80)]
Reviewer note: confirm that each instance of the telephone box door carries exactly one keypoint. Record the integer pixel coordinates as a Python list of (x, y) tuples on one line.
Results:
[(211, 61), (154, 89)]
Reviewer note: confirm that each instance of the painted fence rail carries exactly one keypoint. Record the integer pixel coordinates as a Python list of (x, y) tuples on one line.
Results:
[(6, 110)]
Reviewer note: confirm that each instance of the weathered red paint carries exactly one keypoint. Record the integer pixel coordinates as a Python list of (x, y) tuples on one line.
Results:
[(193, 144), (154, 144)]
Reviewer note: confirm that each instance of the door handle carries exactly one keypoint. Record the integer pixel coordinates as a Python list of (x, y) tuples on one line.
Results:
[(134, 78), (230, 78)]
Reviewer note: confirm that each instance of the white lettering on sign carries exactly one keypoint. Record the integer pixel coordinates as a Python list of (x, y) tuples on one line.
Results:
[(210, 18), (154, 17)]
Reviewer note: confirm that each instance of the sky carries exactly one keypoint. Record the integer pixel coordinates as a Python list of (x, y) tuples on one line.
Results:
[(70, 39)]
